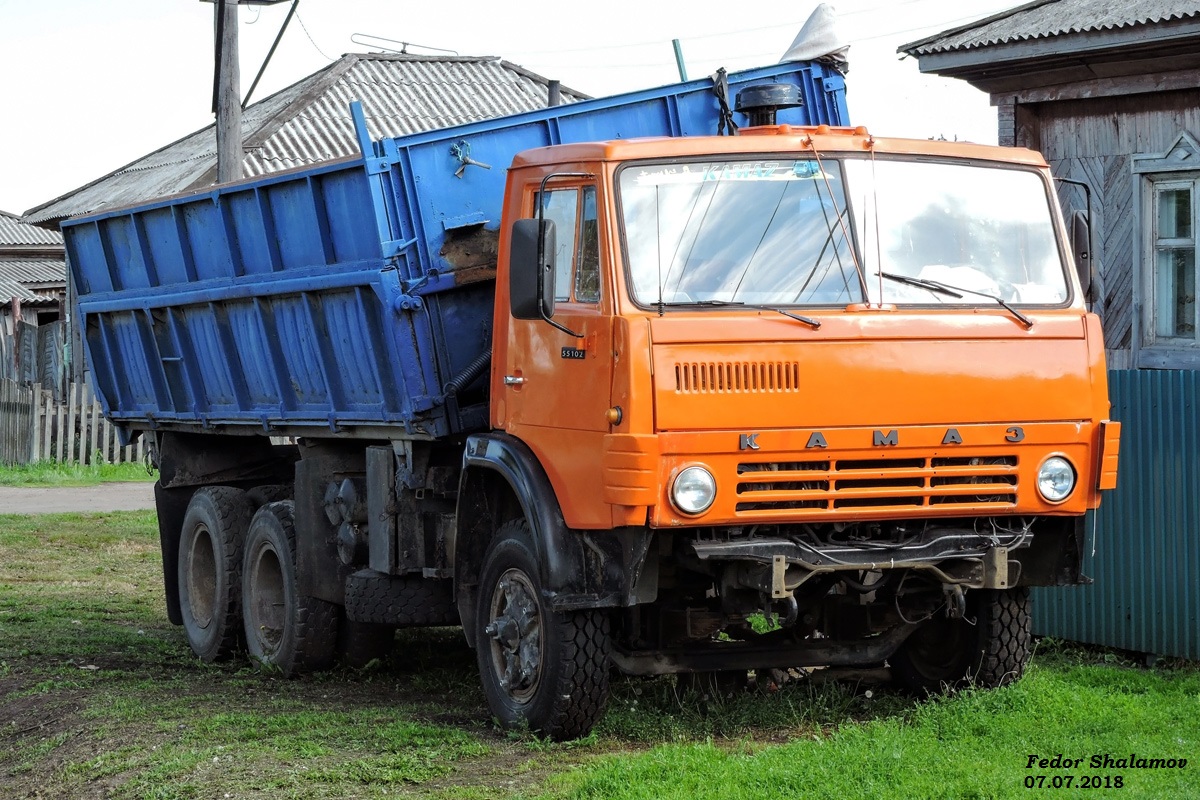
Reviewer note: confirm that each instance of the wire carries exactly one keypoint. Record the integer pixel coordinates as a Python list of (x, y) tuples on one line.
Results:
[(772, 27), (312, 41)]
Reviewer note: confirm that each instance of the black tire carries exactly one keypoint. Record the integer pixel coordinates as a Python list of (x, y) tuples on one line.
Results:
[(540, 669), (209, 569), (400, 601), (269, 493), (948, 654), (284, 629), (360, 643)]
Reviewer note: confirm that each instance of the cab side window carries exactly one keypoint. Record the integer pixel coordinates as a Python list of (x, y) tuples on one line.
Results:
[(577, 256), (587, 269)]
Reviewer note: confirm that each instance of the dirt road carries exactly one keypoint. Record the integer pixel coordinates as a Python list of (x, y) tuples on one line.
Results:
[(59, 499)]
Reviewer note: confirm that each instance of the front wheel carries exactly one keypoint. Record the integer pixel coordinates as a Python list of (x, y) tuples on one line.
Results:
[(989, 649), (540, 669), (284, 629)]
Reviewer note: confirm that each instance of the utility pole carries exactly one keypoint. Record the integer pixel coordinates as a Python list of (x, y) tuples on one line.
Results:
[(227, 93), (227, 78)]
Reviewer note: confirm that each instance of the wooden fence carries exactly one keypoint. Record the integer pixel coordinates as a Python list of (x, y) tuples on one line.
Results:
[(16, 422), (34, 426)]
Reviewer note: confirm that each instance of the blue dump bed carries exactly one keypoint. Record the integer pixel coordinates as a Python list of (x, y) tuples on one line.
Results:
[(342, 298)]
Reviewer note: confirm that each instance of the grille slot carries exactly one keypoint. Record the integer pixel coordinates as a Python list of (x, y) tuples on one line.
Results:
[(737, 377), (876, 483)]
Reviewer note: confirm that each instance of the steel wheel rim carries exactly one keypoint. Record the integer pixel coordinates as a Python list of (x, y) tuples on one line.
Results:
[(266, 603), (202, 577), (514, 631)]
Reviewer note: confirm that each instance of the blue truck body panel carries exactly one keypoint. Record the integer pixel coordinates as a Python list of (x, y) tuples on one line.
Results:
[(322, 301)]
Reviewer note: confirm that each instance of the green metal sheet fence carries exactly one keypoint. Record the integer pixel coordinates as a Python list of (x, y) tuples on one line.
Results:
[(1144, 548)]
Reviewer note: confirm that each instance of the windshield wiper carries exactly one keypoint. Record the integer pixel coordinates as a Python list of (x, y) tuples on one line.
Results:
[(954, 291), (813, 323)]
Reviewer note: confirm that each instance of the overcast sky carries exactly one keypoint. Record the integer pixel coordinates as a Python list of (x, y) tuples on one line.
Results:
[(91, 85)]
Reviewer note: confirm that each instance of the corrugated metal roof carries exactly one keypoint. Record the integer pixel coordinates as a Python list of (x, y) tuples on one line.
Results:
[(310, 122), (1049, 18), (15, 233), (20, 276)]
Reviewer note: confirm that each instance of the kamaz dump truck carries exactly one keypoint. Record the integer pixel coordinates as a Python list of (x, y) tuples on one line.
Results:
[(614, 392)]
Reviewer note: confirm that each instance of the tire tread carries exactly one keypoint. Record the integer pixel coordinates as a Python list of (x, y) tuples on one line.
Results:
[(401, 601)]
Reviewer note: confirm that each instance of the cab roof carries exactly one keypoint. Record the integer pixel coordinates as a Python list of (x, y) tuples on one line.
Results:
[(772, 139)]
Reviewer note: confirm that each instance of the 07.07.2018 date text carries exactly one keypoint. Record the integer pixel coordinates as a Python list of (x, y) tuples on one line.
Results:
[(1074, 782)]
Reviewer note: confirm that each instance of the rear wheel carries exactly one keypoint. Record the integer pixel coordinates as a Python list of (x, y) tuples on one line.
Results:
[(210, 570), (540, 669), (952, 653), (284, 629)]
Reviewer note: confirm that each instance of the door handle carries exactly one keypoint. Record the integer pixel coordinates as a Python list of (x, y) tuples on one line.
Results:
[(513, 380)]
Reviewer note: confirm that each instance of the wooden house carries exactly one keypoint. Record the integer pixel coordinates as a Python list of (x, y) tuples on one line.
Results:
[(33, 285), (1109, 92)]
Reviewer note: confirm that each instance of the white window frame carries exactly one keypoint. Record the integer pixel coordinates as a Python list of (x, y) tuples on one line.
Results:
[(1178, 167)]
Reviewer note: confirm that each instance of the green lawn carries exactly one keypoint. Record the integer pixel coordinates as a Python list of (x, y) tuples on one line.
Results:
[(973, 745), (50, 473), (100, 697)]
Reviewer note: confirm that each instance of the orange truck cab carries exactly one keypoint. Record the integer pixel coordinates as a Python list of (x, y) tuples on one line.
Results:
[(813, 397)]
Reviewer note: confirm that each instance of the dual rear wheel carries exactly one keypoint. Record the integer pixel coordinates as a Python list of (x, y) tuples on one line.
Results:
[(238, 588)]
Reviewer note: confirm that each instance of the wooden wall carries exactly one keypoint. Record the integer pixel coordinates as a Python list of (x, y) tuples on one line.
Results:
[(1093, 140)]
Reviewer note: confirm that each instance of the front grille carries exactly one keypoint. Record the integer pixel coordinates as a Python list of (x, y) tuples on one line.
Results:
[(824, 485), (737, 377)]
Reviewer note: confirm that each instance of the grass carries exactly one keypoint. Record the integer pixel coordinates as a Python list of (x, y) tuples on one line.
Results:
[(100, 697), (51, 473), (975, 744)]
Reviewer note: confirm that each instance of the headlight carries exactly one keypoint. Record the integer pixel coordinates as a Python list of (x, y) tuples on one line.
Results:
[(694, 490), (1056, 479)]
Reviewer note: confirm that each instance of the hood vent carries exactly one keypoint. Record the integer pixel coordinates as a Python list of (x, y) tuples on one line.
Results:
[(737, 377)]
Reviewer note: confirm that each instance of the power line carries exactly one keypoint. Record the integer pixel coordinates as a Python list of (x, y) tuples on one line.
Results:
[(304, 28), (775, 26)]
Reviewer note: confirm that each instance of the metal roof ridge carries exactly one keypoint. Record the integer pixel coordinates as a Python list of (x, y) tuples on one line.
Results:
[(320, 82), (908, 49), (542, 79)]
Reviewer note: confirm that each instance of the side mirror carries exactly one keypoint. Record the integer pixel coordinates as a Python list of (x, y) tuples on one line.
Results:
[(1081, 246), (531, 284)]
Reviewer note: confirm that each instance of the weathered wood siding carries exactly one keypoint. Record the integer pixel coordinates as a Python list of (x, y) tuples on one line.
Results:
[(1093, 140)]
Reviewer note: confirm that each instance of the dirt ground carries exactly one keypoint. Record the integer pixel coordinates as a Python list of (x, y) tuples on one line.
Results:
[(64, 499)]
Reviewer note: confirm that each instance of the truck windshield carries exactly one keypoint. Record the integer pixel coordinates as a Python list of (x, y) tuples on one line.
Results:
[(986, 230), (780, 233), (761, 232)]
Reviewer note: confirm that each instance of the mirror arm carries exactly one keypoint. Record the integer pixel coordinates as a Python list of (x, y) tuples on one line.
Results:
[(1091, 251), (541, 278), (541, 250)]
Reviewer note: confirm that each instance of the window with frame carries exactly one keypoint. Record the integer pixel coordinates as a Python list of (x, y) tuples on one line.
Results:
[(1173, 262), (577, 253)]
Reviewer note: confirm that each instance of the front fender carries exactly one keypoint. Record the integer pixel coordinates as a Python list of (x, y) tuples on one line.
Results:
[(502, 479), (559, 550)]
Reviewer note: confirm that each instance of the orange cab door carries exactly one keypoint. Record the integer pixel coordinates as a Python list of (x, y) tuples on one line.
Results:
[(557, 386)]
